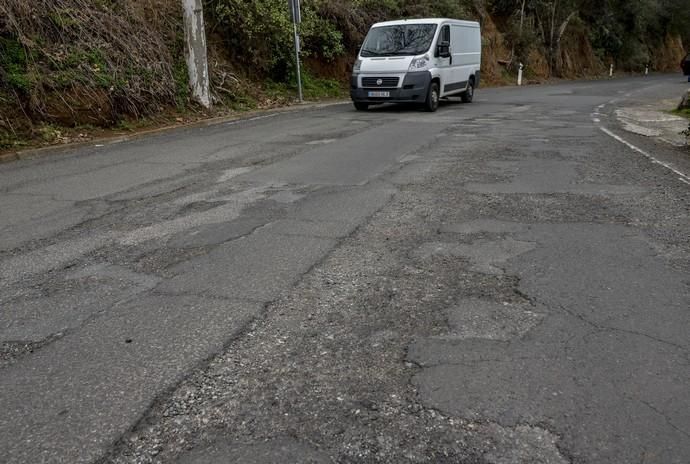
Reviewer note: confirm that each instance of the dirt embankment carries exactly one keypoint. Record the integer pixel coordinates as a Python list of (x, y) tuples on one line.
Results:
[(83, 63), (670, 55), (578, 57), (81, 66)]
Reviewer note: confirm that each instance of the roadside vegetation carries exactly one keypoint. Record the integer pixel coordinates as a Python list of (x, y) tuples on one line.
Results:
[(72, 67), (684, 110)]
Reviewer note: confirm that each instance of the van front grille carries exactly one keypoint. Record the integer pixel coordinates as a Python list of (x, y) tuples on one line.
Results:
[(380, 82)]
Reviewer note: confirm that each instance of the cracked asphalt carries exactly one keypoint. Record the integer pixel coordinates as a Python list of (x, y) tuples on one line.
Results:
[(500, 282)]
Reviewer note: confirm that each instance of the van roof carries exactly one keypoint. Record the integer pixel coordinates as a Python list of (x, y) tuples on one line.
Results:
[(427, 21)]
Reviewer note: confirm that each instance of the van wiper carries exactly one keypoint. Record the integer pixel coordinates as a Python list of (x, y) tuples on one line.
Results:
[(373, 53)]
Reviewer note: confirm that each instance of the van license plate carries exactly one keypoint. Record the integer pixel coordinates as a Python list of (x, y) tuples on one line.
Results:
[(379, 94)]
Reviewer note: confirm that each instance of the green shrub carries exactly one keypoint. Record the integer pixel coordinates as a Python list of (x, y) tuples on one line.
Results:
[(181, 76), (14, 72), (259, 34)]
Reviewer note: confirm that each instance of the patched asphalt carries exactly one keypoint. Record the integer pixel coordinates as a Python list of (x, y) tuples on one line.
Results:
[(500, 282)]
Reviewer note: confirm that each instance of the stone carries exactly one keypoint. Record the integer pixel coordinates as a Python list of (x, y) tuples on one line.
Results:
[(685, 101)]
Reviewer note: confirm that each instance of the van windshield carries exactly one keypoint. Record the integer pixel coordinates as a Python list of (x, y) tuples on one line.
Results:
[(405, 39)]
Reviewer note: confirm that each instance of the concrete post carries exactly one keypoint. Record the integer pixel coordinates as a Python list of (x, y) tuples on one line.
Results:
[(299, 70), (195, 51), (520, 74), (611, 71)]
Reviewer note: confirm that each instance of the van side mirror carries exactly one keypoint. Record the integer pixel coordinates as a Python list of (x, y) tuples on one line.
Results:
[(443, 50)]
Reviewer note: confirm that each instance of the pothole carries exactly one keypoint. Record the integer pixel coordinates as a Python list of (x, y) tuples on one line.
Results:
[(285, 449), (482, 226), (474, 318), (485, 256), (524, 443)]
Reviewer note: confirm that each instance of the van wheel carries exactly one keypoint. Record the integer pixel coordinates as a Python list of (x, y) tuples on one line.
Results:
[(468, 95), (432, 98), (359, 106)]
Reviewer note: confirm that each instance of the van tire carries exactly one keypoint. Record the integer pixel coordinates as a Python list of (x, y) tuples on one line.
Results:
[(432, 98), (360, 106), (468, 95)]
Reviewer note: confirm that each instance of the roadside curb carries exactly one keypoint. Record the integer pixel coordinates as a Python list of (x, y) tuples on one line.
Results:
[(32, 153), (654, 122)]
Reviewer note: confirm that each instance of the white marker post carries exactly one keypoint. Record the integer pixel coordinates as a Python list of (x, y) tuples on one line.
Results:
[(297, 19), (611, 71), (646, 70), (520, 74)]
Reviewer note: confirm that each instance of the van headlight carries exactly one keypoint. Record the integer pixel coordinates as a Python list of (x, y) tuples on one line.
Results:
[(357, 66), (419, 63)]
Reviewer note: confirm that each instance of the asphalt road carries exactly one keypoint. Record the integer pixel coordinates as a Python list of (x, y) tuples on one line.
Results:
[(499, 282)]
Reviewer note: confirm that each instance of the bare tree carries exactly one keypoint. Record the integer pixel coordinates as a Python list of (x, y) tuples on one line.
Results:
[(553, 17), (521, 29)]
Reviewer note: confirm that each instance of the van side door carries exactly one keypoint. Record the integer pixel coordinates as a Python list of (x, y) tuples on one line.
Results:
[(466, 43), (457, 81), (444, 56)]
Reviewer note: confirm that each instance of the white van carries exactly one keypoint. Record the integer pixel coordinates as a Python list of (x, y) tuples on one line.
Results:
[(417, 60)]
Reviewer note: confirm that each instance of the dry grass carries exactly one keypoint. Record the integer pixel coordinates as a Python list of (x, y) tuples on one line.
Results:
[(91, 61)]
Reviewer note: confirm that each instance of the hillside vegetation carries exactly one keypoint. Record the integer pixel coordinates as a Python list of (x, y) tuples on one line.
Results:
[(86, 63)]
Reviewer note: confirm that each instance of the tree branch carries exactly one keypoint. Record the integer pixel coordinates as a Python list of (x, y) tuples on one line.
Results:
[(564, 25)]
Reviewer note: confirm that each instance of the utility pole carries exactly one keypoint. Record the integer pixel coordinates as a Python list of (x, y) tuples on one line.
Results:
[(296, 16), (195, 51)]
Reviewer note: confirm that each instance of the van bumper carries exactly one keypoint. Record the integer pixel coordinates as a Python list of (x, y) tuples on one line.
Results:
[(413, 90)]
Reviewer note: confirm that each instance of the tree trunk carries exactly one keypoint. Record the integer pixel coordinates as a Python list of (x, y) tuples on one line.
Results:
[(557, 45), (195, 51), (522, 23), (480, 8), (552, 43)]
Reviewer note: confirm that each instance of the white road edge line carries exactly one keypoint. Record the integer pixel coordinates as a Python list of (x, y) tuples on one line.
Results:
[(682, 177), (266, 116), (255, 118)]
